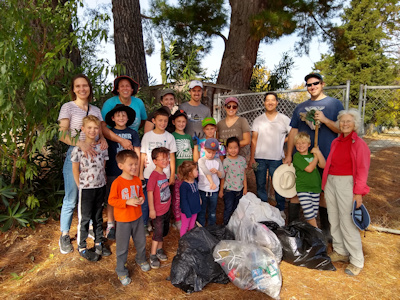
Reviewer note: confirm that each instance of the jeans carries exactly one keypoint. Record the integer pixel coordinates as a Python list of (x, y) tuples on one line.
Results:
[(231, 201), (71, 194), (208, 199), (261, 180), (145, 205)]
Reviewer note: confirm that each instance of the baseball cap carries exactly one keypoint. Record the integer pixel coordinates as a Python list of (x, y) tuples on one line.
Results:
[(178, 113), (313, 75), (212, 144), (166, 92), (231, 99), (208, 121), (195, 83)]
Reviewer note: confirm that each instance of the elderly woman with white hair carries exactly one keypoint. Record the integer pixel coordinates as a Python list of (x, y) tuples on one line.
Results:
[(344, 181)]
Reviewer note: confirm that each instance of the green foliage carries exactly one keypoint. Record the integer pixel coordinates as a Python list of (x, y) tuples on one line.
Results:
[(6, 192), (15, 216)]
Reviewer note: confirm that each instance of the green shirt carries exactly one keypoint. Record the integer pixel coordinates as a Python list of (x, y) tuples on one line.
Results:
[(184, 148), (306, 182)]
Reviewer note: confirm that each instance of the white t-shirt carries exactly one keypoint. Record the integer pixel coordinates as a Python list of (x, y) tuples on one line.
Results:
[(153, 140), (204, 184), (271, 136)]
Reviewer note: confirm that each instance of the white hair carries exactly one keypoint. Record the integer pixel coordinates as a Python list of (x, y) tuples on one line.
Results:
[(356, 117)]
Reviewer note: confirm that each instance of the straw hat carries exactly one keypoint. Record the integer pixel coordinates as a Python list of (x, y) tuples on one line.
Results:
[(284, 181)]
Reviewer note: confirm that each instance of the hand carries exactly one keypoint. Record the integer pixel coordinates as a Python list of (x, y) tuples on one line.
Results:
[(88, 149), (213, 186), (103, 143), (131, 202), (244, 190), (126, 144), (319, 116), (288, 160), (196, 140), (172, 179), (252, 162), (152, 214), (140, 201), (315, 150), (358, 199), (214, 170), (221, 194)]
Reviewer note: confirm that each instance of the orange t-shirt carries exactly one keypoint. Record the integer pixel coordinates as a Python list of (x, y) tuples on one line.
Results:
[(121, 190)]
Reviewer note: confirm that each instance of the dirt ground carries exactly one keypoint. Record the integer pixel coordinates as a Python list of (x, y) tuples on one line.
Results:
[(31, 266)]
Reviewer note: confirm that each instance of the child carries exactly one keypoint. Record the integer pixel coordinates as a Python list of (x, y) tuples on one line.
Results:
[(266, 150), (185, 151), (209, 129), (89, 175), (119, 119), (210, 171), (308, 179), (159, 197), (156, 138), (190, 203), (234, 185), (126, 196)]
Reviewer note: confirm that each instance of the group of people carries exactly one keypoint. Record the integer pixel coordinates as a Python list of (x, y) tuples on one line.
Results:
[(186, 160)]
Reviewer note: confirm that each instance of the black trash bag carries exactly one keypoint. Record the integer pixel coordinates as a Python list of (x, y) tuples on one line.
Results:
[(193, 266), (303, 245), (221, 232)]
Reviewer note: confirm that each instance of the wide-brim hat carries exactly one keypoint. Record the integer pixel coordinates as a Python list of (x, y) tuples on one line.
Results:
[(121, 107), (134, 84), (284, 181), (360, 216)]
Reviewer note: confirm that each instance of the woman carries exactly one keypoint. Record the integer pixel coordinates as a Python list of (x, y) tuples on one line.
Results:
[(70, 120), (233, 125), (167, 100), (344, 181)]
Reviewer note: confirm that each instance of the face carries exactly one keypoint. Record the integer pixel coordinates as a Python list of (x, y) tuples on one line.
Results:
[(233, 149), (346, 124), (168, 100), (231, 108), (180, 123), (270, 103), (120, 118), (125, 88), (160, 122), (194, 173), (210, 153), (81, 88), (129, 166), (315, 89), (91, 129), (209, 131), (302, 146), (195, 93), (162, 160)]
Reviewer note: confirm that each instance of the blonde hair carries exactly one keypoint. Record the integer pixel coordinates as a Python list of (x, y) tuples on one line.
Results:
[(185, 169), (303, 136), (90, 118)]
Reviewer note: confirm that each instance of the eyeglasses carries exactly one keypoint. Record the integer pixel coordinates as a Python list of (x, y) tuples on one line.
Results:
[(314, 83), (231, 106)]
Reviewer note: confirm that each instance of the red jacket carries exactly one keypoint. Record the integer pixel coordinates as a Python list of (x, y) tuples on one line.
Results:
[(360, 156)]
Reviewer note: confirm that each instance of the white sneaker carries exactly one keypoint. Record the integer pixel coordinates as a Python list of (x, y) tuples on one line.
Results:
[(283, 215)]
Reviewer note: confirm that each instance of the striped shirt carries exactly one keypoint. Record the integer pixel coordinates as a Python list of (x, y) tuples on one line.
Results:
[(75, 115)]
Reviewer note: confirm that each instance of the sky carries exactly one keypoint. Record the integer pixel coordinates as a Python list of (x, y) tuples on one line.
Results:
[(271, 53)]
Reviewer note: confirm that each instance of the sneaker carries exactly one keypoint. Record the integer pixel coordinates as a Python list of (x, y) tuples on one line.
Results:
[(161, 255), (91, 234), (102, 250), (144, 266), (154, 262), (89, 255), (283, 215), (65, 244), (125, 280), (338, 257), (110, 232), (177, 225), (352, 270)]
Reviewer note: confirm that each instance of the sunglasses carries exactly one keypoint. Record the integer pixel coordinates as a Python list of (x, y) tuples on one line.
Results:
[(314, 83), (231, 106)]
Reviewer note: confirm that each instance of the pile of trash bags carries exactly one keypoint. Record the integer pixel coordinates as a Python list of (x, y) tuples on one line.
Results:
[(248, 250)]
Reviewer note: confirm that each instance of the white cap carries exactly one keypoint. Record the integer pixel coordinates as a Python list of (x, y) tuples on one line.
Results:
[(195, 83)]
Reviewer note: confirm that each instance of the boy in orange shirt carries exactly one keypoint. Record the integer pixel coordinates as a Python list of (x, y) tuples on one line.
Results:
[(126, 196)]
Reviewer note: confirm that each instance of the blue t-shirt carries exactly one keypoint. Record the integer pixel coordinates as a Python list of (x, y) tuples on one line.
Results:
[(136, 104), (114, 147), (330, 107), (190, 198)]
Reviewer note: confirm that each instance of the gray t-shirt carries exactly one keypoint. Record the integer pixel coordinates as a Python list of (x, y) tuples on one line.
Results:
[(195, 114), (240, 127)]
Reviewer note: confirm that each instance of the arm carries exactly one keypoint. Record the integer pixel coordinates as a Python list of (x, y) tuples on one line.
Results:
[(148, 126), (126, 144), (321, 158), (203, 167), (220, 172), (312, 165), (137, 151), (184, 204), (75, 172), (141, 168), (142, 123), (196, 153), (253, 146), (245, 184), (362, 163), (150, 198), (319, 115), (246, 139), (290, 141), (221, 188), (172, 167)]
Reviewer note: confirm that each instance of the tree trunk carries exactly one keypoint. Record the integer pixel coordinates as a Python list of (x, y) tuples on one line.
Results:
[(241, 48), (128, 39)]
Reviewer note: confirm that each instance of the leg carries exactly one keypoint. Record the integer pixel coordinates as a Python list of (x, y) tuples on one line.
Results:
[(261, 179), (201, 216), (238, 196), (192, 221), (229, 202), (280, 201), (85, 204), (122, 237), (97, 213), (145, 207), (139, 239), (294, 209), (110, 210), (185, 224), (176, 201), (212, 209)]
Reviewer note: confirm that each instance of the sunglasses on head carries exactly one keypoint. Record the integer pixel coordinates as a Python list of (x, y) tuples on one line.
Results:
[(314, 83), (228, 106)]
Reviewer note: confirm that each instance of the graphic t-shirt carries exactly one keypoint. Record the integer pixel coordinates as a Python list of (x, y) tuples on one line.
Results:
[(184, 149), (114, 147), (234, 173), (195, 114), (240, 127), (159, 185), (306, 182), (91, 169)]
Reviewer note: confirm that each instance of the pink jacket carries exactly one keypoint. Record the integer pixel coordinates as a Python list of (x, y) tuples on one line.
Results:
[(360, 156)]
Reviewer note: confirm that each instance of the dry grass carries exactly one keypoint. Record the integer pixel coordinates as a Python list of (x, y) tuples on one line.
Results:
[(31, 266)]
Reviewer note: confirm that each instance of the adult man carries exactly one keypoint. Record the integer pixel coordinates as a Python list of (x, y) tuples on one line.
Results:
[(195, 110), (327, 109)]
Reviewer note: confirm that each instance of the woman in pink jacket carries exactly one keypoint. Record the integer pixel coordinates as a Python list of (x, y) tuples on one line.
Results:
[(344, 181)]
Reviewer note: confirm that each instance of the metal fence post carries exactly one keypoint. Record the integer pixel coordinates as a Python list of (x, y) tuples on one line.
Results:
[(347, 94), (360, 105), (217, 108)]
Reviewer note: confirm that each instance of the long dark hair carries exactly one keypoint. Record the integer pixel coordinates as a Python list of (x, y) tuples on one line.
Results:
[(73, 95)]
